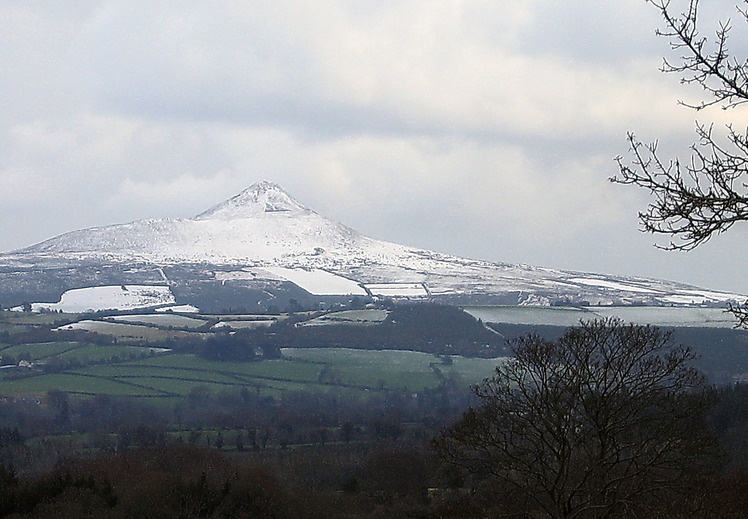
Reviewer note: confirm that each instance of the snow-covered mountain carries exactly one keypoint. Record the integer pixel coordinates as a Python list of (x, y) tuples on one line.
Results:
[(263, 234), (260, 224)]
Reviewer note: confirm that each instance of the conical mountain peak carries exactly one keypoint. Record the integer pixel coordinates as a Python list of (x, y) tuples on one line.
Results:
[(265, 230), (260, 199)]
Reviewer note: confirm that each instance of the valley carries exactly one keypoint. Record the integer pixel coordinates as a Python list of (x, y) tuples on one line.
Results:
[(261, 334), (163, 356)]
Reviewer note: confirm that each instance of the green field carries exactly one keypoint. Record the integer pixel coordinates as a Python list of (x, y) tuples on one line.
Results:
[(37, 385), (82, 352), (125, 332), (175, 375), (35, 319), (38, 351), (161, 320), (144, 370), (94, 353), (138, 365)]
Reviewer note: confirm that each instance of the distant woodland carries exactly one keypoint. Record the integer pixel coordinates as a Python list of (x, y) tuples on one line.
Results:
[(301, 455), (429, 328), (319, 451)]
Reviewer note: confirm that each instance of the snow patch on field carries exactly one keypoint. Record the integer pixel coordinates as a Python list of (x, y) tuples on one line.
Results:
[(570, 316), (119, 297), (670, 316), (368, 316), (603, 283), (319, 282), (104, 327), (162, 320), (235, 275), (243, 325), (531, 315), (397, 289), (700, 297), (179, 309)]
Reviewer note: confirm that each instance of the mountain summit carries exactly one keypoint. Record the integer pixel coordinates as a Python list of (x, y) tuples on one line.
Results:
[(262, 223), (263, 236), (255, 201)]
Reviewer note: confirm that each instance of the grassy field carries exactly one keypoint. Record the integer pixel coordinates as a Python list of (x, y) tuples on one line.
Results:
[(35, 319), (38, 385), (137, 367), (38, 351), (125, 332), (162, 320), (175, 375), (82, 352)]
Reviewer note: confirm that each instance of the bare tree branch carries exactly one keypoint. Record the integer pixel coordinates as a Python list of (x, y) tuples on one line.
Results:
[(695, 201), (704, 62), (706, 195), (589, 425)]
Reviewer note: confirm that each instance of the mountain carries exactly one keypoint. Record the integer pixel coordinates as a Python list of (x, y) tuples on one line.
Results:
[(263, 245), (260, 224)]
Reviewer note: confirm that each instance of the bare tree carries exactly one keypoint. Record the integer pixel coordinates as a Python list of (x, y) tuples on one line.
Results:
[(707, 194), (588, 425)]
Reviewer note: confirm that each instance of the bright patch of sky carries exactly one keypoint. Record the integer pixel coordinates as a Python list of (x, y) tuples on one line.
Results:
[(479, 128)]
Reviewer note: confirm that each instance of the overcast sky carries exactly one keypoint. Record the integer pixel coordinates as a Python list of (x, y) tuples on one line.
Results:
[(480, 128)]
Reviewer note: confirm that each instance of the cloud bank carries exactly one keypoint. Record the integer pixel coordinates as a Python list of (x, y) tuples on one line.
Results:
[(479, 128)]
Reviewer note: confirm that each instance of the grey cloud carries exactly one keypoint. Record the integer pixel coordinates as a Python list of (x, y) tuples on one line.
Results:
[(481, 128), (611, 32), (273, 65)]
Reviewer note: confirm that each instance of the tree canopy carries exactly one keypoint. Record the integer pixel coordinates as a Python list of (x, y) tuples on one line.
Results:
[(589, 425)]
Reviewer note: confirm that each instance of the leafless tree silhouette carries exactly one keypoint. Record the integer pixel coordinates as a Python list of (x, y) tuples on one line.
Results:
[(590, 425), (707, 194)]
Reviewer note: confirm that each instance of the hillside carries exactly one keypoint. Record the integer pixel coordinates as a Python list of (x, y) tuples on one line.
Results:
[(262, 248)]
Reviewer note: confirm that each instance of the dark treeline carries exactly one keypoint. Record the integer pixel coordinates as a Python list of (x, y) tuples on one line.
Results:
[(241, 454), (721, 353), (231, 454), (38, 431), (241, 346), (186, 481), (429, 328)]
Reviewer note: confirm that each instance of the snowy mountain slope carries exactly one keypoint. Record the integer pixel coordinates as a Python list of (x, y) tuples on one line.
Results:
[(263, 226), (262, 223)]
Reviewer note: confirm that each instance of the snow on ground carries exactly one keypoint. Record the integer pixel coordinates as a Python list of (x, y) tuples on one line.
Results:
[(243, 325), (397, 289), (367, 316), (669, 315), (376, 315), (716, 295), (163, 320), (234, 275), (319, 282), (678, 297), (570, 316), (263, 225), (700, 297), (179, 309), (610, 284), (93, 326), (117, 297), (533, 315), (685, 299)]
